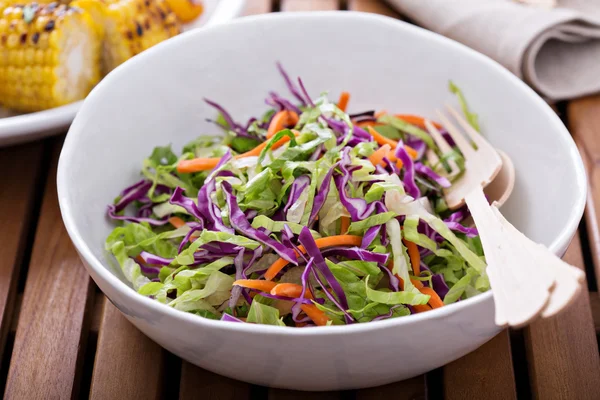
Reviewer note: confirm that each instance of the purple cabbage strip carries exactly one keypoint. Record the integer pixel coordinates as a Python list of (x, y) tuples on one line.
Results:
[(394, 282), (178, 199), (458, 215), (418, 145), (369, 236), (392, 166), (337, 126), (135, 192), (146, 269), (429, 173), (240, 223), (356, 253), (439, 285), (153, 259), (298, 186), (409, 171), (230, 318), (283, 103), (305, 93), (316, 154), (304, 280), (113, 214), (370, 113), (321, 195), (361, 133), (358, 208), (313, 251), (292, 88), (250, 213), (234, 126), (236, 291), (255, 256), (455, 226), (388, 315), (349, 319)]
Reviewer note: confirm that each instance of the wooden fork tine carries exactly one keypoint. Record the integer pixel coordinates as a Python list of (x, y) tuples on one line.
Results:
[(444, 148), (462, 143), (473, 134)]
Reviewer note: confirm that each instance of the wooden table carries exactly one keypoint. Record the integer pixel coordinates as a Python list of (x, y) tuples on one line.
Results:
[(60, 338)]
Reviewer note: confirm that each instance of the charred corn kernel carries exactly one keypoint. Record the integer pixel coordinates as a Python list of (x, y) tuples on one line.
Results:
[(49, 55), (130, 26), (186, 10)]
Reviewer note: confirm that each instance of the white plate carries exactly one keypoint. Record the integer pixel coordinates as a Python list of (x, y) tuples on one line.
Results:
[(18, 128)]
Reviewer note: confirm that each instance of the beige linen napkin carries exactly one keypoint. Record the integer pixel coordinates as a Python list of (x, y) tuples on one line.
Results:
[(556, 51)]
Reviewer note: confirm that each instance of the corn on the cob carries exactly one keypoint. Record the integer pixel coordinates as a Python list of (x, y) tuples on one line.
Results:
[(186, 10), (49, 56), (131, 26)]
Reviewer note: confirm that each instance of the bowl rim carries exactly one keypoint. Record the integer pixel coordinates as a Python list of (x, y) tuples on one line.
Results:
[(559, 244)]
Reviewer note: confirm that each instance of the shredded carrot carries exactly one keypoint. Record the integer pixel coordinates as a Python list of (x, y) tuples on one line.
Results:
[(415, 257), (421, 308), (339, 240), (416, 120), (205, 164), (290, 290), (139, 259), (344, 225), (382, 140), (380, 113), (300, 324), (263, 286), (176, 222), (317, 316), (343, 101), (435, 301), (364, 124), (377, 157), (281, 120)]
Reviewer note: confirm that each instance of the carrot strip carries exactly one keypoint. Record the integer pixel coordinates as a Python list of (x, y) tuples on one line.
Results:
[(280, 121), (205, 164), (364, 124), (290, 290), (377, 157), (343, 101), (382, 140), (197, 164), (345, 225), (416, 120), (317, 316), (339, 240), (421, 308), (263, 286), (176, 222), (435, 301), (380, 113), (415, 257)]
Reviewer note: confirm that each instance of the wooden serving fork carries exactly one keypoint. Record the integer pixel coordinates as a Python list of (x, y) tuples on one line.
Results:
[(527, 279)]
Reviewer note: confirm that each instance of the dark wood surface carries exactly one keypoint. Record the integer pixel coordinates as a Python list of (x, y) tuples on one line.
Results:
[(60, 338)]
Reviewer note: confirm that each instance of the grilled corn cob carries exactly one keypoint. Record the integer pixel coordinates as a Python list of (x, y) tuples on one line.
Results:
[(131, 26), (49, 56)]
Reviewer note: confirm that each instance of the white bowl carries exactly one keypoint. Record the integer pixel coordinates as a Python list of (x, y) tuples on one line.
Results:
[(156, 98)]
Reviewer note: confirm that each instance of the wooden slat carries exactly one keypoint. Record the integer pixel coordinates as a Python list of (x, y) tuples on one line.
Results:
[(410, 389), (16, 199), (52, 327), (309, 5), (584, 124), (198, 383), (487, 370), (372, 6), (562, 351), (128, 364), (254, 7)]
